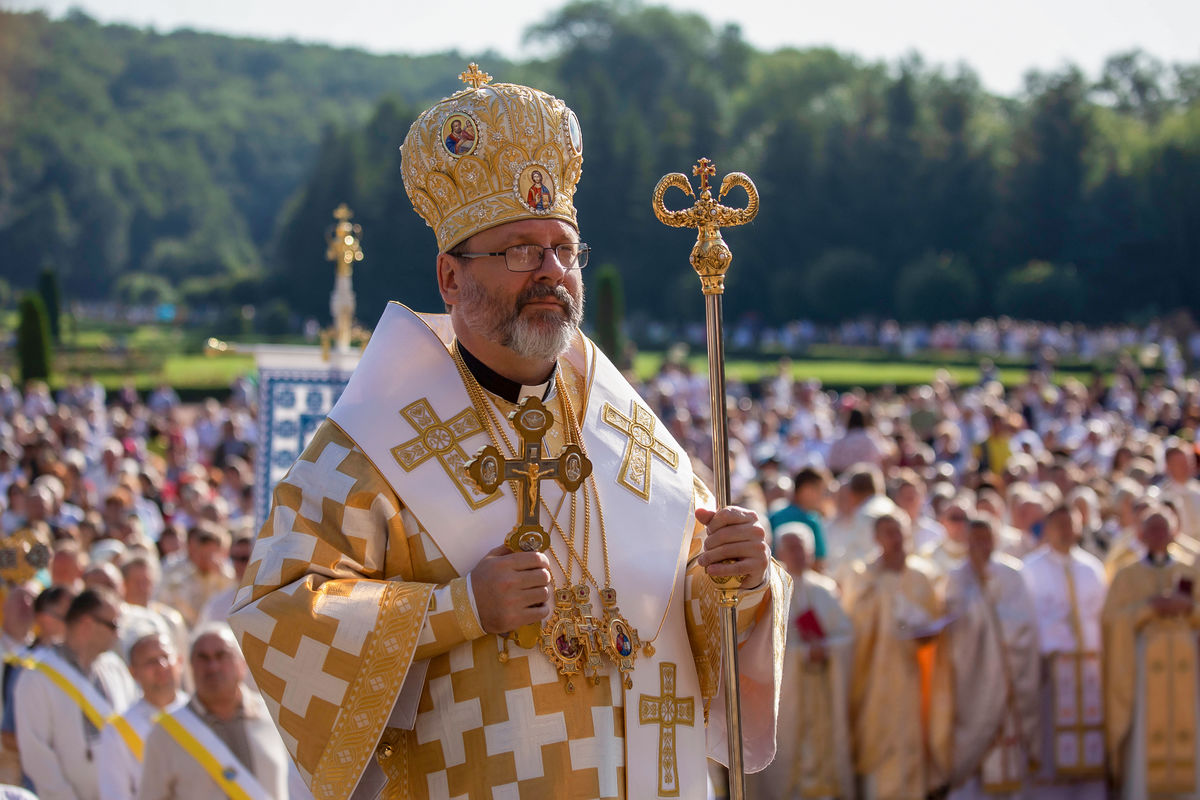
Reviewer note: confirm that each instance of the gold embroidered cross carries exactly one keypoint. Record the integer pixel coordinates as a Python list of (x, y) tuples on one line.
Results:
[(474, 76), (635, 464), (489, 469), (441, 440), (667, 711)]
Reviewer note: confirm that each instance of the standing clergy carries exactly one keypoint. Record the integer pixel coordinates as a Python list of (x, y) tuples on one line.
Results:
[(1151, 681), (895, 614), (157, 668), (221, 742), (812, 759), (991, 648), (400, 644), (64, 697), (1067, 585)]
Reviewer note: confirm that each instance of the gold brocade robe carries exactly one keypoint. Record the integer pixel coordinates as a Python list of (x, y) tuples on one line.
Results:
[(367, 646), (991, 649), (892, 691), (812, 757), (1150, 677)]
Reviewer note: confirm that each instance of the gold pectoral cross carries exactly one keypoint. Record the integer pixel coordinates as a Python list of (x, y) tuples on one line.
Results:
[(489, 469), (666, 710)]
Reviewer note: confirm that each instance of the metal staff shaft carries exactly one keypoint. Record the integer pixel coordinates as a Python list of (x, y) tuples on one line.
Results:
[(711, 258), (714, 318)]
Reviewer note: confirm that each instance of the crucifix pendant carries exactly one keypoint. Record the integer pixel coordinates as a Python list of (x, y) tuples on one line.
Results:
[(489, 469)]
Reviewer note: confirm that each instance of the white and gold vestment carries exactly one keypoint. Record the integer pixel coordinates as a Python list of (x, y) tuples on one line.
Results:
[(358, 621)]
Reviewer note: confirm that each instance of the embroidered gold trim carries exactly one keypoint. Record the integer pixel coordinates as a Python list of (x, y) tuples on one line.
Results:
[(443, 441), (369, 700), (639, 447), (463, 610), (667, 711)]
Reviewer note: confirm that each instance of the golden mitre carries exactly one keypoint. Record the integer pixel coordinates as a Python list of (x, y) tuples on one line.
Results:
[(490, 154)]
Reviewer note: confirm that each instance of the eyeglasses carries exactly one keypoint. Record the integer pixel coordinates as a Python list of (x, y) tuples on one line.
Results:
[(528, 257), (108, 623)]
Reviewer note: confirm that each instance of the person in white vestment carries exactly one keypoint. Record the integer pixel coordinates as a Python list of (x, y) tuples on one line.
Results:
[(157, 668), (224, 711), (57, 734), (991, 648), (1068, 589), (812, 757), (850, 539)]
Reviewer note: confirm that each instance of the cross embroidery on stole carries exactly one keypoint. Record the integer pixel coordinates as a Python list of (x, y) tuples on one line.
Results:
[(641, 445), (667, 711), (441, 440)]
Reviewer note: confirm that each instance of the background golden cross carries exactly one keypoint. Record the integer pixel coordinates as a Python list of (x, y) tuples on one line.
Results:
[(705, 169), (489, 469), (474, 76), (667, 711)]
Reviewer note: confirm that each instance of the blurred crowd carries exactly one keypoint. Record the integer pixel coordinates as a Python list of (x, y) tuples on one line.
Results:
[(144, 509), (960, 548)]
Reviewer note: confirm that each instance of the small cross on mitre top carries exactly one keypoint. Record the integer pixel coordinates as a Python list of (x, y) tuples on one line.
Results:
[(705, 169), (474, 76)]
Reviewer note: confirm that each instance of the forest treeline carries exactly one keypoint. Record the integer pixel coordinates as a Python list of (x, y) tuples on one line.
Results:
[(203, 168)]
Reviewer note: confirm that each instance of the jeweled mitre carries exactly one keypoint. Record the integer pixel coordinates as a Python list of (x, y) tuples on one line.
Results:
[(490, 154)]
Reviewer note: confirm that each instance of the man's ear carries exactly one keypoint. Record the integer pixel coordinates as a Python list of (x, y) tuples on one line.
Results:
[(448, 278)]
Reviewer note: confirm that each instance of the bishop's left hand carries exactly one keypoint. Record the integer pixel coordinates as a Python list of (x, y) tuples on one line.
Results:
[(735, 535)]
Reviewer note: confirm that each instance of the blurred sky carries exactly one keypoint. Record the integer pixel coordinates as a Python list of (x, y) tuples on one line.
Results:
[(1000, 40)]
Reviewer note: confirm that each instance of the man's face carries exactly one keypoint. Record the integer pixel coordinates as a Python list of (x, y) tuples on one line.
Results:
[(206, 554), (1156, 533), (155, 666), (955, 522), (239, 555), (217, 668), (103, 622), (792, 554), (535, 314), (980, 544), (1179, 466), (1061, 531), (536, 177), (139, 584), (890, 538)]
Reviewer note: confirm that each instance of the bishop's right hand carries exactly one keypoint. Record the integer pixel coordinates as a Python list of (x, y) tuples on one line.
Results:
[(511, 589)]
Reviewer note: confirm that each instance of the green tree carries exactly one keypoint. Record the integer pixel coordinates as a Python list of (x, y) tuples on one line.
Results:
[(1042, 291), (144, 289), (48, 288), (34, 352), (936, 287), (845, 283), (610, 313)]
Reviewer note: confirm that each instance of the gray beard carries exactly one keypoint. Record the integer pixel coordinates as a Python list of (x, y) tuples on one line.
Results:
[(543, 335)]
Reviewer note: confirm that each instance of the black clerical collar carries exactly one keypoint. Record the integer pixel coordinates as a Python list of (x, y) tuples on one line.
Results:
[(501, 386)]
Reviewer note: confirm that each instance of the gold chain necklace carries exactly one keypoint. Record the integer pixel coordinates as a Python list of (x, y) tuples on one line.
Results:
[(572, 635)]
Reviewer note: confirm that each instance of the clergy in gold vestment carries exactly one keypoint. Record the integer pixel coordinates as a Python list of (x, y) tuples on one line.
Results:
[(812, 758), (893, 607), (991, 649), (1150, 670), (404, 650)]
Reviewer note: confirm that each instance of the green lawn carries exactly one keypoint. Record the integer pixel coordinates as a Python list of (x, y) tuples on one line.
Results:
[(840, 374)]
